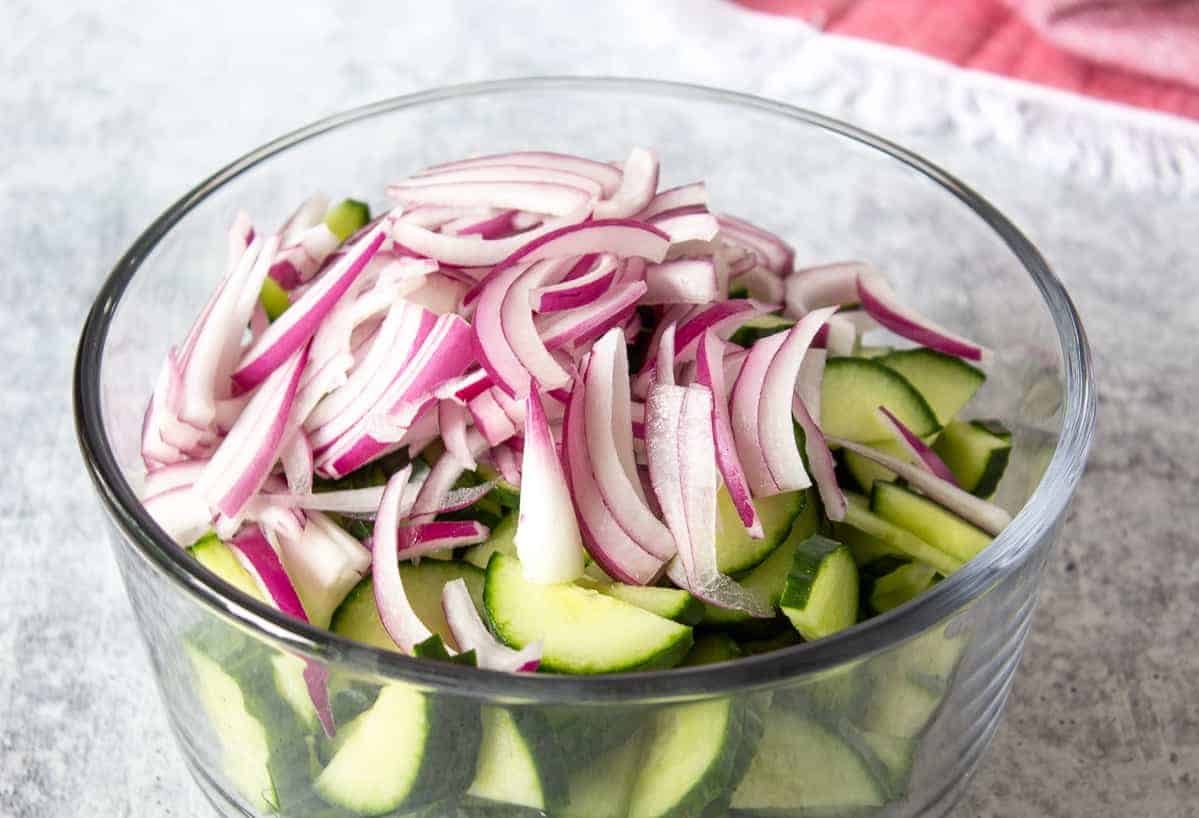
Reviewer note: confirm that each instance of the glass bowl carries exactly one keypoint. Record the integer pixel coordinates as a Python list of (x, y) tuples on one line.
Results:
[(890, 717)]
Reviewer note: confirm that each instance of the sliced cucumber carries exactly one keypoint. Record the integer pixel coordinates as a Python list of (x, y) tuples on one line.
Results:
[(689, 761), (852, 391), (976, 452), (219, 558), (865, 471), (837, 693), (937, 526), (897, 540), (501, 541), (736, 551), (901, 707), (407, 750), (946, 382), (346, 217), (506, 493), (760, 327), (358, 618), (888, 757), (865, 351), (602, 789), (518, 764), (768, 577), (803, 767), (273, 298), (711, 648), (288, 674), (581, 631), (668, 603), (821, 594), (901, 585)]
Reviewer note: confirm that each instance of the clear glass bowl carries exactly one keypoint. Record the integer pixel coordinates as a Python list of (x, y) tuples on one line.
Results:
[(914, 695)]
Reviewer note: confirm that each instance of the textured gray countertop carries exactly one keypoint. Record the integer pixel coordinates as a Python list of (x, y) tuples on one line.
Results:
[(110, 115)]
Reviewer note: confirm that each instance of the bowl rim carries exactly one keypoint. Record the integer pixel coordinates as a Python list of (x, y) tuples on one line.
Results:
[(1034, 521)]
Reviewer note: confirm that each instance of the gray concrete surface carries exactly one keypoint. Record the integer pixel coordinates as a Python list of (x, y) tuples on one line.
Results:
[(109, 114)]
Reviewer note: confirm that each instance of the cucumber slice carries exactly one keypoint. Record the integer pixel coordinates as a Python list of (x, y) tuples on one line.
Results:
[(768, 577), (821, 594), (837, 693), (901, 585), (501, 541), (506, 493), (346, 217), (937, 526), (901, 707), (852, 391), (946, 382), (581, 631), (219, 558), (602, 789), (760, 327), (288, 675), (711, 648), (518, 764), (865, 351), (736, 551), (865, 471), (357, 617), (668, 603), (897, 540), (888, 757), (407, 750), (803, 767), (689, 761), (273, 298), (976, 452)]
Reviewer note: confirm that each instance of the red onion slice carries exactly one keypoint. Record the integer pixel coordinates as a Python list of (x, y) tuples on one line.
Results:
[(775, 254), (743, 414), (638, 184), (452, 422), (502, 173), (422, 539), (181, 513), (692, 195), (917, 449), (682, 281), (723, 318), (577, 291), (880, 301), (574, 326), (435, 491), (296, 456), (471, 634), (761, 285), (838, 335), (987, 516), (829, 285), (492, 227), (507, 341), (508, 464), (490, 419), (821, 461), (710, 373), (547, 538), (776, 434), (171, 476), (664, 368), (811, 377), (324, 562), (609, 431), (539, 197), (607, 176), (395, 611), (472, 251), (295, 327)]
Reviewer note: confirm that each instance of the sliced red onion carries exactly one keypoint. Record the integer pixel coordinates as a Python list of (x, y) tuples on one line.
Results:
[(325, 564), (743, 414), (473, 251), (710, 373), (692, 195), (761, 285), (266, 568), (467, 386), (609, 432), (491, 227), (682, 469), (310, 213), (440, 294), (181, 512), (987, 516), (350, 501), (616, 553), (295, 327), (452, 422), (576, 291), (490, 419), (682, 281), (776, 433), (775, 254), (315, 385), (607, 176), (506, 340), (723, 318), (422, 539), (838, 336), (811, 377), (171, 476), (296, 456), (547, 534), (395, 611), (637, 187), (686, 227), (501, 173), (434, 217), (829, 285), (435, 491), (920, 452), (539, 197), (880, 301), (471, 634), (246, 456), (572, 326), (306, 243), (820, 459)]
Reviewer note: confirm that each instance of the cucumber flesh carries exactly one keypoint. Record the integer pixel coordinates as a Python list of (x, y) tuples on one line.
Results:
[(689, 760), (581, 630), (273, 298), (768, 577), (889, 758), (902, 585), (711, 648), (736, 551), (976, 452), (802, 766), (668, 603), (946, 382), (602, 789), (515, 766), (501, 541), (899, 540), (821, 594), (865, 471), (219, 558), (346, 217), (852, 391), (358, 618), (506, 493), (760, 327), (937, 526)]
